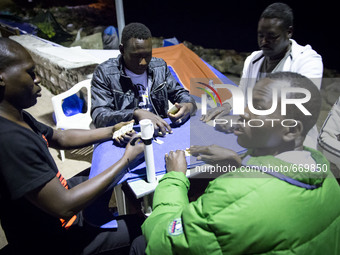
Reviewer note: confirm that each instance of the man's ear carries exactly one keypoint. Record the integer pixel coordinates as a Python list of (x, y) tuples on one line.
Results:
[(2, 82), (121, 48), (290, 32), (293, 132)]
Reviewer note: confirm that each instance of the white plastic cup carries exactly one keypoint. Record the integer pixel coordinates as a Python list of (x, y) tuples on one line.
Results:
[(147, 129)]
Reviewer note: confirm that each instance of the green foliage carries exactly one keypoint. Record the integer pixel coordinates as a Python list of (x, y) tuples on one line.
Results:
[(47, 29)]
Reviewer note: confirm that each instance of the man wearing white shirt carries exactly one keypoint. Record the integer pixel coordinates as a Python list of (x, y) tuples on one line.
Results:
[(278, 52)]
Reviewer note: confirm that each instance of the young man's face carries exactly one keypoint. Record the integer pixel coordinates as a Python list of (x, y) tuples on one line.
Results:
[(269, 135), (137, 54), (21, 83), (272, 38)]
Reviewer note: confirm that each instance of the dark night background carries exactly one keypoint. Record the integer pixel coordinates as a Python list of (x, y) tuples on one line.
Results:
[(224, 24), (233, 24)]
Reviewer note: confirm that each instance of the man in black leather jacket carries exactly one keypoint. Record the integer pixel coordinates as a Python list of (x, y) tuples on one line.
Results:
[(137, 86)]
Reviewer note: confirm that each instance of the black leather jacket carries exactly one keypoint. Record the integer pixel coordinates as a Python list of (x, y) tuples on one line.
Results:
[(114, 98)]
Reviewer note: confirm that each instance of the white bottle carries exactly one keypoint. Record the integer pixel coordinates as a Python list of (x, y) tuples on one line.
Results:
[(147, 131)]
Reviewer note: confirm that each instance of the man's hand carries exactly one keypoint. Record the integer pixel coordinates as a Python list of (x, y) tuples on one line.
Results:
[(160, 125), (175, 161), (123, 139), (135, 150), (226, 123), (217, 112), (214, 154), (185, 110)]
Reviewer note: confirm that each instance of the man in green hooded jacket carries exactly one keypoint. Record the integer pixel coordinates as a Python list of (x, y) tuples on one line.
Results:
[(279, 199)]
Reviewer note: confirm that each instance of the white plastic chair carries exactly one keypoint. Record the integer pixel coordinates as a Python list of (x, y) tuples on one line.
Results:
[(77, 121)]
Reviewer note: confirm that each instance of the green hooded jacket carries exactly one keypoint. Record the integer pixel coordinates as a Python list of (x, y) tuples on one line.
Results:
[(248, 212)]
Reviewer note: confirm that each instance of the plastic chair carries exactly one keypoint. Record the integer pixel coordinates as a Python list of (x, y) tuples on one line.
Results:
[(76, 121)]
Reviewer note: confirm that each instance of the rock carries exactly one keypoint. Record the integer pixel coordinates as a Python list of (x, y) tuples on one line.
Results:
[(226, 61), (70, 28), (90, 42), (157, 42), (332, 92), (58, 74)]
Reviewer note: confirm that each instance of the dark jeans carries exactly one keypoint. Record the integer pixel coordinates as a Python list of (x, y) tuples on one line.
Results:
[(138, 246), (85, 239)]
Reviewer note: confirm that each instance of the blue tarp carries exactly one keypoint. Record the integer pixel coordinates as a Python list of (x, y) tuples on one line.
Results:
[(16, 23)]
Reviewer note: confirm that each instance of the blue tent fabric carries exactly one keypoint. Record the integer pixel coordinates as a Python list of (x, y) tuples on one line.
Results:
[(110, 30), (220, 75), (170, 41), (16, 23), (110, 38)]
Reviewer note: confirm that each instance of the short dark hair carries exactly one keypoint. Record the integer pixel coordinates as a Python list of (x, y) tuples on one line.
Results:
[(280, 11), (313, 105), (135, 30), (7, 54)]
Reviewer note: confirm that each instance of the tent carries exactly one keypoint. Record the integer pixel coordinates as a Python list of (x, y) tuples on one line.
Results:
[(189, 69), (185, 65)]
